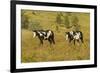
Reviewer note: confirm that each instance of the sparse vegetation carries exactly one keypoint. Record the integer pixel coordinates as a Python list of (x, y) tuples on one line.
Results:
[(66, 21), (62, 50)]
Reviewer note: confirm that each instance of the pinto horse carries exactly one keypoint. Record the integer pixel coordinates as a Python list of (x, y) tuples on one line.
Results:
[(44, 35), (74, 36)]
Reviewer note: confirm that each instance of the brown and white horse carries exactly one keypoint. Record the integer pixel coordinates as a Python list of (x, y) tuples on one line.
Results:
[(44, 35), (74, 36)]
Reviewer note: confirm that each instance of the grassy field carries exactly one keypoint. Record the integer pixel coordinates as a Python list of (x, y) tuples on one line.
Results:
[(62, 50)]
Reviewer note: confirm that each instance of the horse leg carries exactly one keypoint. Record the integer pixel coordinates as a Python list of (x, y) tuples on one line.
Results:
[(74, 42), (70, 40), (50, 41), (41, 41), (82, 40), (78, 41), (52, 38)]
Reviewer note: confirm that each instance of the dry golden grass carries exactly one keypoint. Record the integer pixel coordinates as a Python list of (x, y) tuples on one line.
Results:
[(62, 50)]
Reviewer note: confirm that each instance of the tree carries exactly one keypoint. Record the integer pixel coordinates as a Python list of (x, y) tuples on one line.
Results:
[(24, 20), (75, 22), (58, 21), (66, 21), (33, 25)]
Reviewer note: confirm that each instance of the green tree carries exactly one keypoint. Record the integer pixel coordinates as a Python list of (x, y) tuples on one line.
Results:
[(66, 21), (24, 21), (75, 23), (75, 20), (58, 21), (34, 25)]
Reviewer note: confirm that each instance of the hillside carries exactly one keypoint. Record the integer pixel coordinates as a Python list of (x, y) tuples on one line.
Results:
[(62, 50)]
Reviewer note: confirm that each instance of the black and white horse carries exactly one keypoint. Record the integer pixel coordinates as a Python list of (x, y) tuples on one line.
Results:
[(74, 36), (44, 35)]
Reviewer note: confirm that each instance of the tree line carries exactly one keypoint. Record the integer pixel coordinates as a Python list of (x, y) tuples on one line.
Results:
[(67, 19)]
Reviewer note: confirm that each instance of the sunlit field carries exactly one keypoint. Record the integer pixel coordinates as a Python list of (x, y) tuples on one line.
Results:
[(62, 50)]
